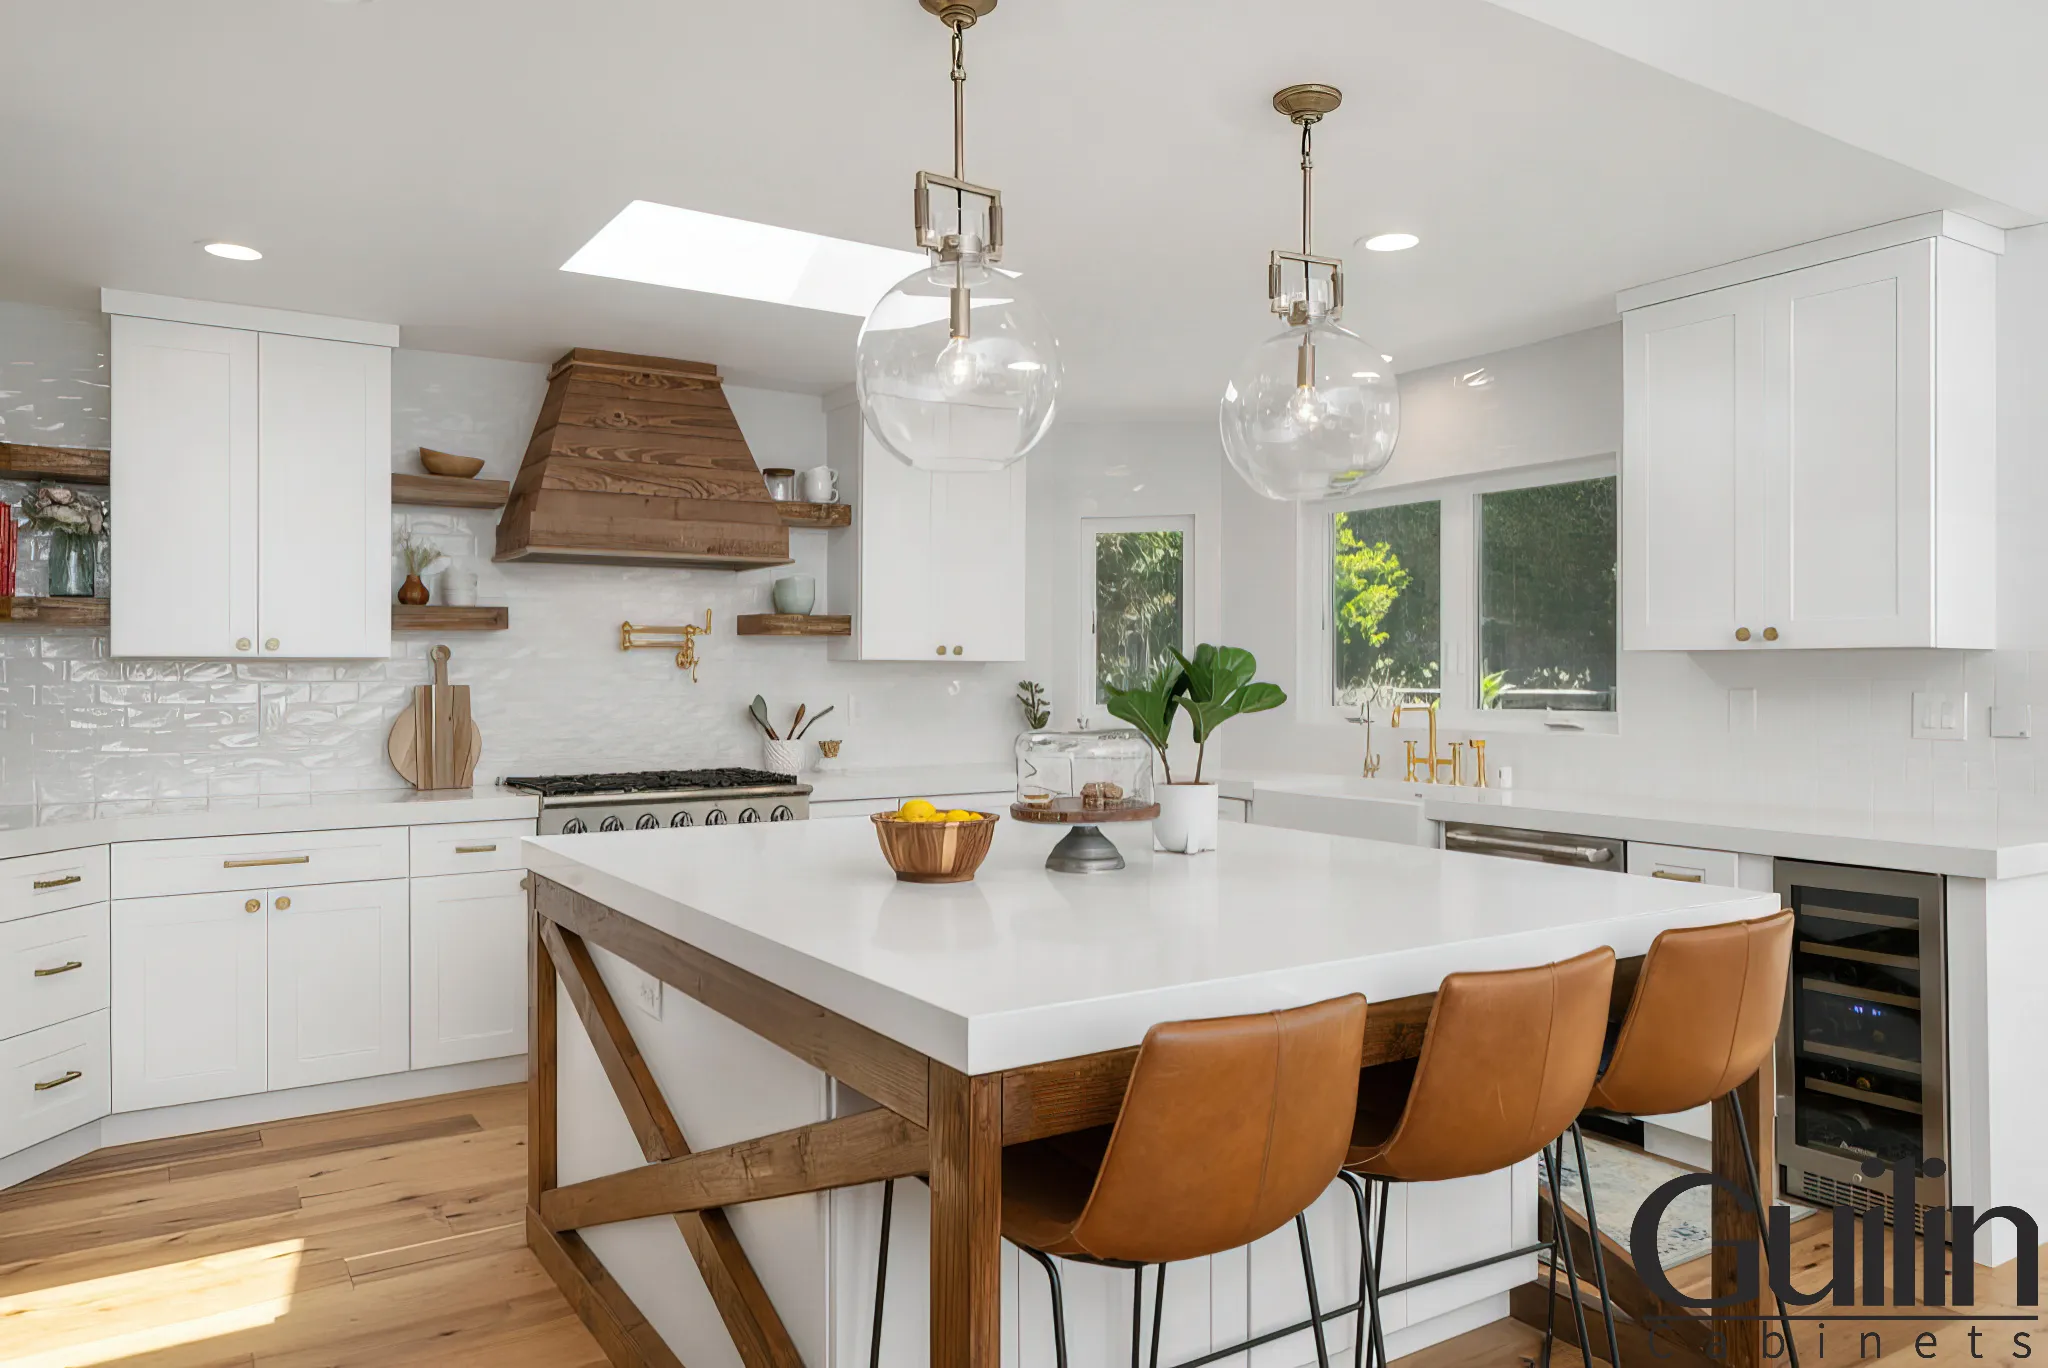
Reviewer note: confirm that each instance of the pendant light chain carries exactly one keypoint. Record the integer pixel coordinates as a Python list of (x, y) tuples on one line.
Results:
[(1308, 181), (959, 101)]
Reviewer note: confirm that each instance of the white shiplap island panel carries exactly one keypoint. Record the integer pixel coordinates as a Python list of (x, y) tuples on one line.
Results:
[(1024, 965)]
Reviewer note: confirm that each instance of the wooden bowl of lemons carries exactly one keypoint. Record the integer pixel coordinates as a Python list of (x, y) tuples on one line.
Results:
[(925, 843)]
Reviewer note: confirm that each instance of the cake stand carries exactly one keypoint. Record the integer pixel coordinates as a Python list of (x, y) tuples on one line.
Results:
[(1084, 850)]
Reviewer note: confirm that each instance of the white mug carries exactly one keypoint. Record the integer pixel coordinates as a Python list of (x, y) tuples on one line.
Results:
[(821, 485)]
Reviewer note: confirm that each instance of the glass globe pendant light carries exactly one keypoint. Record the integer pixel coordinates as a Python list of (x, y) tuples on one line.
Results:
[(1313, 411), (957, 368)]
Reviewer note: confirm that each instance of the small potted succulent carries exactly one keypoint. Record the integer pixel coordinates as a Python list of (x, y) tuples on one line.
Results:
[(75, 522), (1212, 687)]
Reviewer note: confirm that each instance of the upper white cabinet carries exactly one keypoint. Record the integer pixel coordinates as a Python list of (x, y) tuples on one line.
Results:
[(251, 478), (1808, 455), (933, 567)]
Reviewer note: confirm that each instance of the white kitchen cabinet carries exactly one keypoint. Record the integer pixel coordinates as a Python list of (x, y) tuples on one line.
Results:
[(52, 968), (338, 993), (1808, 455), (52, 1080), (933, 566), (251, 450), (468, 967), (189, 999)]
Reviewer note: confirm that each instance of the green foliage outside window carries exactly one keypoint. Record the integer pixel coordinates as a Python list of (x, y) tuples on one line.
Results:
[(1139, 578), (1547, 596), (1386, 564)]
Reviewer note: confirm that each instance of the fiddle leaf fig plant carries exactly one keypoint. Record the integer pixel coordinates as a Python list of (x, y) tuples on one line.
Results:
[(1212, 686)]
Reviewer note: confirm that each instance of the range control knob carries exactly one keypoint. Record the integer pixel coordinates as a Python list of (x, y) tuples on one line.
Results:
[(715, 817), (574, 827), (782, 813), (682, 819), (648, 822), (750, 814), (611, 824)]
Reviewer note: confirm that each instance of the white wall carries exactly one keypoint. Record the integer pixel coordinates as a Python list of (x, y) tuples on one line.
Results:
[(554, 693), (1832, 727)]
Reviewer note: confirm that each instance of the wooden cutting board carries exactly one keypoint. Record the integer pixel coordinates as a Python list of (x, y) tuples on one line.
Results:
[(435, 743)]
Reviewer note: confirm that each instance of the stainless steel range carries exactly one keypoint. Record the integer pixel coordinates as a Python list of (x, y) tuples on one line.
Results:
[(573, 803)]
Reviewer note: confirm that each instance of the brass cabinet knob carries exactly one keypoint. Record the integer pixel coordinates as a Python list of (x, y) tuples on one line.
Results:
[(253, 905), (270, 645), (241, 643), (284, 904), (1770, 634), (941, 650), (956, 650), (1742, 633)]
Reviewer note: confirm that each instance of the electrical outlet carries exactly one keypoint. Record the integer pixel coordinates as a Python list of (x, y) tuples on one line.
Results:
[(1941, 717), (647, 995)]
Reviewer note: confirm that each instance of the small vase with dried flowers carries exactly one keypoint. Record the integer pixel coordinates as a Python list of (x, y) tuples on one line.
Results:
[(419, 558)]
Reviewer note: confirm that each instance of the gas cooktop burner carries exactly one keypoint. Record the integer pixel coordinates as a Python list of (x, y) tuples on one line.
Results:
[(650, 781)]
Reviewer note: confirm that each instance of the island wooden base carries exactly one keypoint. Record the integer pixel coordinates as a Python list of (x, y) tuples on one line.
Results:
[(938, 1122)]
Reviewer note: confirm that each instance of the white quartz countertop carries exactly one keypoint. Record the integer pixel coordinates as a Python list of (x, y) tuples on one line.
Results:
[(1928, 843), (1024, 965), (909, 781), (26, 830)]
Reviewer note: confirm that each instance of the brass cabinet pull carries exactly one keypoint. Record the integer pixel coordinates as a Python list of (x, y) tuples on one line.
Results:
[(476, 850), (1742, 633), (253, 905), (59, 883), (70, 1076), (267, 860), (60, 969), (942, 650), (1770, 634), (956, 650), (270, 645), (1674, 875), (284, 904), (241, 643)]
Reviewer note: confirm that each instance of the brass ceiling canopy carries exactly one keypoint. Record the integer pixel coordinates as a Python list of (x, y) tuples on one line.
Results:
[(958, 13), (1303, 104)]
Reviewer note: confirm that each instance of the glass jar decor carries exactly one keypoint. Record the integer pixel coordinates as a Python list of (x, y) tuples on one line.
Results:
[(1084, 779), (72, 555), (75, 522)]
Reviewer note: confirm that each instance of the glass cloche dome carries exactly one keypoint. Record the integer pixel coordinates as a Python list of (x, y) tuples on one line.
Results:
[(1083, 776)]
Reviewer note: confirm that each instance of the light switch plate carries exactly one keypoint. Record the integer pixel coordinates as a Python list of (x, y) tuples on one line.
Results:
[(1941, 717), (647, 995), (2013, 720)]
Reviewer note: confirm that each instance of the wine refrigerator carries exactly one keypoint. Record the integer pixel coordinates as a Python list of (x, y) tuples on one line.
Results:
[(1863, 1050)]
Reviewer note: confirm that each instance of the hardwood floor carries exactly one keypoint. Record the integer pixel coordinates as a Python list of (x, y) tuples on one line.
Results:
[(388, 1236)]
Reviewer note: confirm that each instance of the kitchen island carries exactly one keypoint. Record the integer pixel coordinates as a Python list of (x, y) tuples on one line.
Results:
[(917, 1029)]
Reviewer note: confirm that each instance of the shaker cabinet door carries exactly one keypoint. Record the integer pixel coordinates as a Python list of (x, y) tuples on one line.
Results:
[(325, 498), (183, 547), (468, 967), (188, 999), (338, 991), (895, 618), (978, 568)]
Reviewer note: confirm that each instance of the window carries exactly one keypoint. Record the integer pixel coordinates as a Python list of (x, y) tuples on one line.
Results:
[(1135, 581), (1546, 597), (1493, 594), (1386, 608)]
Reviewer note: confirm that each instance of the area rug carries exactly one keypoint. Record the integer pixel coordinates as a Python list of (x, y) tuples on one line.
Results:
[(1623, 1179)]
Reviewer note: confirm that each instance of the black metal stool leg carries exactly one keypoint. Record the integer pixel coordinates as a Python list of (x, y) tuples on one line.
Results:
[(1379, 1261), (1365, 1306), (1158, 1311), (882, 1273), (1599, 1259), (1315, 1302), (1756, 1192), (1571, 1269), (1556, 1258), (1137, 1314), (1059, 1304)]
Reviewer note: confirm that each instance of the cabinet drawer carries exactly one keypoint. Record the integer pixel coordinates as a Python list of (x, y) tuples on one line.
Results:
[(233, 864), (33, 884), (1682, 864), (467, 847), (52, 968), (52, 1080)]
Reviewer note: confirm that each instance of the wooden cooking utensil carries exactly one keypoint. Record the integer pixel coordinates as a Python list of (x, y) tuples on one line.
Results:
[(435, 743)]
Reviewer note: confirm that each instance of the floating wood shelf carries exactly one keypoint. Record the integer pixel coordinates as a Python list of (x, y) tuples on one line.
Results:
[(814, 515), (436, 617), (795, 624), (446, 491), (54, 612), (79, 465)]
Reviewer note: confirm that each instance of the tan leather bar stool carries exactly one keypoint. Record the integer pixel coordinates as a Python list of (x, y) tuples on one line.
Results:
[(1702, 1018), (1229, 1128), (1506, 1061)]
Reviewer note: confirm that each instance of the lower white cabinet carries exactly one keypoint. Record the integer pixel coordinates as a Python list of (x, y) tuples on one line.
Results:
[(468, 967), (52, 968), (189, 999), (52, 1080), (337, 982)]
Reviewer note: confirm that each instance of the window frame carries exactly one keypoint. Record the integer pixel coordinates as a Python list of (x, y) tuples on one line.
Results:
[(1457, 604), (1092, 713)]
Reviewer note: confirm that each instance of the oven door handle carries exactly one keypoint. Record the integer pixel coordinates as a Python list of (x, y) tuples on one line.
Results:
[(1571, 854)]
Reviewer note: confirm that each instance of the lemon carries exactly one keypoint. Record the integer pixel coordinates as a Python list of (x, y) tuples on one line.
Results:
[(961, 815), (917, 810)]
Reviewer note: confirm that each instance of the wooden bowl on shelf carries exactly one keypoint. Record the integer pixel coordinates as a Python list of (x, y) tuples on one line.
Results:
[(446, 463), (934, 852)]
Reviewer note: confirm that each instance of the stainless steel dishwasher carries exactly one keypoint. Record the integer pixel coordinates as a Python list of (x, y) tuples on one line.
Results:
[(1543, 847)]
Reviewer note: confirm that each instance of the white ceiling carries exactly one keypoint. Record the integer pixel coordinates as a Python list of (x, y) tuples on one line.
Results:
[(433, 162), (1952, 88)]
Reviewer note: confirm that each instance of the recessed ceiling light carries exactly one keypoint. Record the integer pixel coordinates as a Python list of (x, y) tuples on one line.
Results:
[(1386, 358), (233, 251), (1391, 242), (659, 244)]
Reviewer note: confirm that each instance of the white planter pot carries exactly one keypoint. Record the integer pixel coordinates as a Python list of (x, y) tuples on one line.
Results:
[(1187, 818), (782, 757)]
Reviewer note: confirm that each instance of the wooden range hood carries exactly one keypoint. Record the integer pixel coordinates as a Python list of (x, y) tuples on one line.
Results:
[(637, 460)]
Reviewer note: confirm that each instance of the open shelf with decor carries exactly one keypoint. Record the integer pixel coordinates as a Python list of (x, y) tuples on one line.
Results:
[(447, 491), (816, 516), (75, 465), (795, 624), (53, 612), (439, 617)]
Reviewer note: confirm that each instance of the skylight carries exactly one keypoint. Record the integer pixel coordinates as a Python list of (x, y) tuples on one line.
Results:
[(659, 244)]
